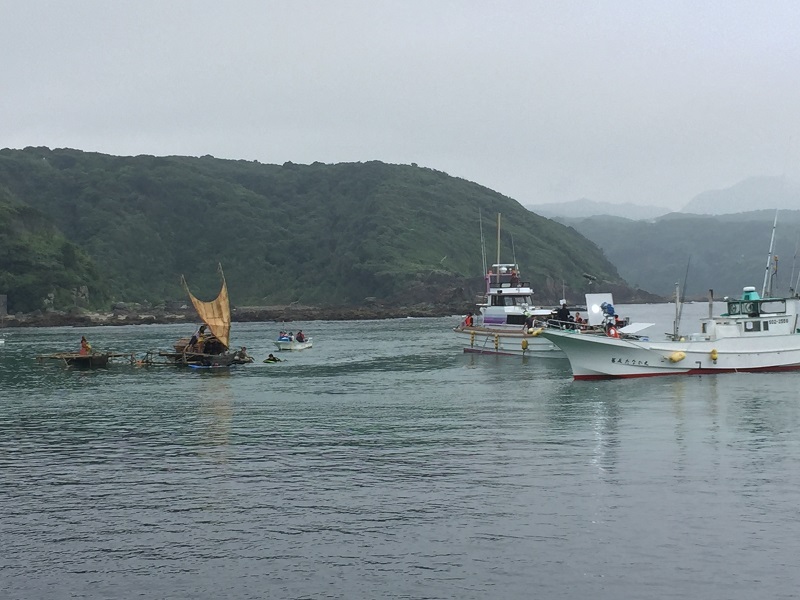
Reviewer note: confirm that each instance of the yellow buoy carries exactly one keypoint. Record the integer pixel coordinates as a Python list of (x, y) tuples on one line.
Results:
[(677, 356), (535, 332), (714, 355), (524, 344)]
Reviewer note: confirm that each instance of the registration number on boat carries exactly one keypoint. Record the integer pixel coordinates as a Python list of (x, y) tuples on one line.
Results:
[(778, 321)]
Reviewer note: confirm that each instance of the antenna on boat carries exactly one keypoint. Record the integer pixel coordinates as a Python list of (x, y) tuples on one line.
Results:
[(498, 249), (513, 250), (773, 276), (680, 296), (483, 243), (792, 287), (676, 323), (796, 283), (683, 290), (769, 256)]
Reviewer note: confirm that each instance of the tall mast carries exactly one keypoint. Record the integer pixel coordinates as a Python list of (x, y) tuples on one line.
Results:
[(769, 256), (794, 260), (676, 324), (498, 247), (483, 243)]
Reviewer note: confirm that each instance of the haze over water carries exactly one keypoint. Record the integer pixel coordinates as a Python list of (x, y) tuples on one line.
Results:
[(385, 463)]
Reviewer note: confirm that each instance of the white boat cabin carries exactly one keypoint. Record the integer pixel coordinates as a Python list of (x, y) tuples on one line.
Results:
[(752, 316), (508, 299)]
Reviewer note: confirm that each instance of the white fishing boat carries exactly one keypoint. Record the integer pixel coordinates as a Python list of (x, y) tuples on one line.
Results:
[(508, 322), (500, 326), (754, 334)]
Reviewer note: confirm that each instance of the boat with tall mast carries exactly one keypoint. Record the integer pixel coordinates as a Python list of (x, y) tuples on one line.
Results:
[(507, 320), (756, 333)]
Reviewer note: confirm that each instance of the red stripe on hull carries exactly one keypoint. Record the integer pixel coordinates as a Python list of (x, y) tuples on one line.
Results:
[(778, 369)]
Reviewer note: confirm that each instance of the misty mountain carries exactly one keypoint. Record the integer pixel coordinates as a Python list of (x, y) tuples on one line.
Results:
[(754, 193), (723, 253), (590, 208)]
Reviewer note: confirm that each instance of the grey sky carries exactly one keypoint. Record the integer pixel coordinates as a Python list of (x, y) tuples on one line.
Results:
[(545, 101)]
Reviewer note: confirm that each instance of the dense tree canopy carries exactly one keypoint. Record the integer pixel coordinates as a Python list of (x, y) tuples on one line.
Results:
[(128, 227)]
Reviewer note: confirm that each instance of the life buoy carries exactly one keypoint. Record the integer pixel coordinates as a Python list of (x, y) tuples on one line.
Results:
[(612, 332)]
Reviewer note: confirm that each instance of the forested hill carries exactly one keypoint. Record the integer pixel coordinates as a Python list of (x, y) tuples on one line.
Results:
[(126, 228)]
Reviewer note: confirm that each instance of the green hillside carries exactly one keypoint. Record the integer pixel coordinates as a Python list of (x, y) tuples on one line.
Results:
[(313, 234), (39, 267)]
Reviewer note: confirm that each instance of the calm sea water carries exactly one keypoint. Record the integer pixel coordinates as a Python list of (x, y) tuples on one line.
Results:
[(385, 463)]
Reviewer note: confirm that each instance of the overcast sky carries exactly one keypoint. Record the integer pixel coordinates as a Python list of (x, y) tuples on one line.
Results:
[(544, 101)]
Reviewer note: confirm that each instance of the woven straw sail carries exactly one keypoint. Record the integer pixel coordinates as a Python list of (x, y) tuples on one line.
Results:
[(216, 314)]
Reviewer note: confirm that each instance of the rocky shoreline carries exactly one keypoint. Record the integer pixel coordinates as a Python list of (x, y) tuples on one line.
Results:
[(279, 314), (138, 314)]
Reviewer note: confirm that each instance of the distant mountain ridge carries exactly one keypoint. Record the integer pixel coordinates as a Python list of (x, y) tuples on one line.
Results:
[(591, 208), (723, 252), (751, 194)]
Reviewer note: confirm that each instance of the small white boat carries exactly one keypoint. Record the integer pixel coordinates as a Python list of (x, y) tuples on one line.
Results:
[(754, 334), (287, 344)]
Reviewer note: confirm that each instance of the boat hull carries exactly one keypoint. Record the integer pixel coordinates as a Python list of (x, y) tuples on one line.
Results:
[(83, 361), (88, 362), (595, 356), (197, 360), (507, 342), (293, 345)]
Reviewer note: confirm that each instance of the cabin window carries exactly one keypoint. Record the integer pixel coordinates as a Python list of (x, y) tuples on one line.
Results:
[(750, 308), (515, 319), (773, 306), (733, 308), (765, 325), (752, 326)]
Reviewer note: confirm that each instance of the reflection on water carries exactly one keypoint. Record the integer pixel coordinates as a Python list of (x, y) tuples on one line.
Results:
[(386, 463)]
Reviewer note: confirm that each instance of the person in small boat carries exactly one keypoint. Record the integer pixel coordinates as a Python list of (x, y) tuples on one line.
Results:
[(272, 358), (198, 339), (468, 320), (579, 321), (86, 348), (243, 356), (291, 336), (300, 337)]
